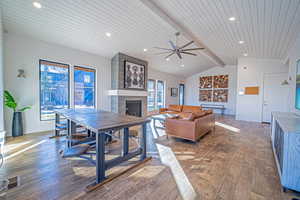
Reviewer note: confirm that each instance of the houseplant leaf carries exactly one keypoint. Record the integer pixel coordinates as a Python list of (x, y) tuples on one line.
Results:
[(24, 108), (11, 105), (8, 96), (9, 101)]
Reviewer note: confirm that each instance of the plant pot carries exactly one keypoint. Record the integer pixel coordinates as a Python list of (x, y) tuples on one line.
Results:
[(17, 125)]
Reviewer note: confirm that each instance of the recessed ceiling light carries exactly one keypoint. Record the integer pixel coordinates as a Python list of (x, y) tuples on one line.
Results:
[(107, 34), (182, 65), (241, 42), (245, 54), (145, 50), (232, 19), (167, 59), (37, 4)]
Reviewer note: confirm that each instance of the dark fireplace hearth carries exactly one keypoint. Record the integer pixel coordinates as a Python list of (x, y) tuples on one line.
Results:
[(134, 108)]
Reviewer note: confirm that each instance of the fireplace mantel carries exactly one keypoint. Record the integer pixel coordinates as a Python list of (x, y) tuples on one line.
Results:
[(131, 93)]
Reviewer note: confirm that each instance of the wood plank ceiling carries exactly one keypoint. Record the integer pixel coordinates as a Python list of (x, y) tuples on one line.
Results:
[(268, 27)]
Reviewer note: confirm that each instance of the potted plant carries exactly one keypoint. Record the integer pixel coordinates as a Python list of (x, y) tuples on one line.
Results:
[(17, 125)]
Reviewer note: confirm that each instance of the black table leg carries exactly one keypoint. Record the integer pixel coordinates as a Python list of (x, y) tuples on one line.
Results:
[(100, 157), (144, 141), (56, 122), (125, 141), (68, 132), (71, 131), (108, 138)]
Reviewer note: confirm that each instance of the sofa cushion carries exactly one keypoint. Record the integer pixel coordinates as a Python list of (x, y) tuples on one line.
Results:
[(173, 116), (200, 113), (207, 112), (176, 108), (191, 108), (169, 112), (187, 116)]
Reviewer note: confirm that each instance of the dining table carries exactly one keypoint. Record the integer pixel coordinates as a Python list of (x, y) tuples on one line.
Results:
[(101, 123)]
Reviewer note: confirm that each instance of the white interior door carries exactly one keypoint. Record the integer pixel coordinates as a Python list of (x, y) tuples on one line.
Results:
[(275, 95)]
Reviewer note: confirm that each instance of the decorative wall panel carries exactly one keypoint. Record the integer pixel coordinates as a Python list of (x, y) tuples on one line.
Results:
[(220, 95), (206, 82), (214, 88), (220, 81), (205, 95)]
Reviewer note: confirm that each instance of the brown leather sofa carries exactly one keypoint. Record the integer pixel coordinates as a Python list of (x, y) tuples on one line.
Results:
[(176, 109), (191, 124)]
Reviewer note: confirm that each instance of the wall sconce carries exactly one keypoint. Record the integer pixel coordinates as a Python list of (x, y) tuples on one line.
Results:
[(21, 73)]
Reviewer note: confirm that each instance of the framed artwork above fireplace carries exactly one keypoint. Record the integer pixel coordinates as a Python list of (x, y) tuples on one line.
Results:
[(134, 76)]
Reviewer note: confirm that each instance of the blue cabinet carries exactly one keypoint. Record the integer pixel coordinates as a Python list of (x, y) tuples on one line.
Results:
[(286, 147)]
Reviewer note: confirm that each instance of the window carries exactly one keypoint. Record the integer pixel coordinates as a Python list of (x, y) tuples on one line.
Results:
[(84, 87), (181, 94), (54, 88), (151, 95), (160, 93), (156, 94)]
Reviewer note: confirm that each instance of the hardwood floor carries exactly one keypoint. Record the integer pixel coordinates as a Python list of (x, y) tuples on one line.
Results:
[(234, 162)]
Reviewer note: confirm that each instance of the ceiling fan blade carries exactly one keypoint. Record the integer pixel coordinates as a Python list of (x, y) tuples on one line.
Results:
[(189, 53), (162, 53), (178, 54), (163, 48), (172, 44), (187, 44), (194, 49), (169, 55)]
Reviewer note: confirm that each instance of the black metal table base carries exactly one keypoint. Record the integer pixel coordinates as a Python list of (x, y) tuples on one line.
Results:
[(101, 139), (102, 165)]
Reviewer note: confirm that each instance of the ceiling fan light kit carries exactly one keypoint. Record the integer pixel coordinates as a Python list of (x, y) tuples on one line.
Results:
[(178, 50)]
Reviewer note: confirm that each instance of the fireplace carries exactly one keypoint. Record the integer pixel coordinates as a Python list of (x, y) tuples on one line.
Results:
[(125, 100), (134, 108)]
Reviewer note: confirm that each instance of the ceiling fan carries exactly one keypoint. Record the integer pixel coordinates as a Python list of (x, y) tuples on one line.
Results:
[(175, 49)]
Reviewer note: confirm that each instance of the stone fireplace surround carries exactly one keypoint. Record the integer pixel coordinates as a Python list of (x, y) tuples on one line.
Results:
[(119, 94)]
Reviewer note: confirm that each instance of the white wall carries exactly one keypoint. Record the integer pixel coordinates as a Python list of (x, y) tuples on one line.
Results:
[(1, 75), (192, 87), (21, 52), (171, 81), (293, 57), (24, 53), (249, 107)]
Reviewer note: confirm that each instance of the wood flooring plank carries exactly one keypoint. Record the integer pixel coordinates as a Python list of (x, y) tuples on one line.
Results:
[(224, 165)]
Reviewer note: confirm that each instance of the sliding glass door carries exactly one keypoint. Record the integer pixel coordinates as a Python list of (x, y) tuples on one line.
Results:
[(160, 93), (156, 94), (181, 94), (151, 95)]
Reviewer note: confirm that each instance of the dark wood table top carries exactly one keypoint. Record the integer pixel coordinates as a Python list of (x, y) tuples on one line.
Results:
[(99, 120)]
